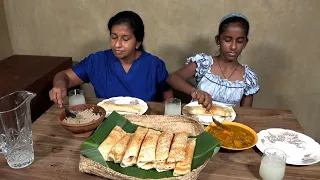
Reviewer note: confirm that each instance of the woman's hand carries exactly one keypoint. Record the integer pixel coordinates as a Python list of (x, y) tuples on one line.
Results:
[(61, 82), (57, 94), (203, 98)]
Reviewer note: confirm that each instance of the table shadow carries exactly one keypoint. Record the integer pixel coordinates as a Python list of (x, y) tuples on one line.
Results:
[(254, 169)]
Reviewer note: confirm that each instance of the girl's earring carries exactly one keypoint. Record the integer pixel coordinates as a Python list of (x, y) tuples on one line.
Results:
[(218, 45)]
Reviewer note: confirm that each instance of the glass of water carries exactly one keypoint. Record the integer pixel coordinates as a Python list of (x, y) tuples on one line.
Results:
[(172, 107), (273, 164), (76, 97)]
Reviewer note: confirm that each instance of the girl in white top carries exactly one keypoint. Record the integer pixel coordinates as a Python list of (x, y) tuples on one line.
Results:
[(221, 78)]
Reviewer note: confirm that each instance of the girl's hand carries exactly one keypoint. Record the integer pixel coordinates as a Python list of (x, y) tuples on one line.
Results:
[(203, 98)]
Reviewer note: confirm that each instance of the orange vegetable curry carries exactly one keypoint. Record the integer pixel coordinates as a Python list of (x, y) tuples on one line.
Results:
[(234, 137)]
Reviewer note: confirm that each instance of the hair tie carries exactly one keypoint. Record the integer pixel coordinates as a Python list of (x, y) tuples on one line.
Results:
[(233, 15)]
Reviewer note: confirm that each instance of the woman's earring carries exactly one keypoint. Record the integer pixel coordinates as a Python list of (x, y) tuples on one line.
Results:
[(218, 45)]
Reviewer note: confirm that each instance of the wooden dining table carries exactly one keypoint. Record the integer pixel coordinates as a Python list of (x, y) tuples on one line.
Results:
[(57, 152)]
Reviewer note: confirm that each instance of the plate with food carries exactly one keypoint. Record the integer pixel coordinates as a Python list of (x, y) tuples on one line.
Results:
[(124, 105), (119, 149), (299, 148), (221, 113), (233, 136)]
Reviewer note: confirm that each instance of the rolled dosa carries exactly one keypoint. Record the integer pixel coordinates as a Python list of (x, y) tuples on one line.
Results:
[(163, 146), (165, 166), (178, 148), (147, 166), (117, 152), (131, 108), (131, 155), (184, 167), (148, 148), (114, 136), (215, 111)]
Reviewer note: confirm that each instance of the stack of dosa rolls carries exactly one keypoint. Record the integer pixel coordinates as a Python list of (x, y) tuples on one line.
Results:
[(149, 149)]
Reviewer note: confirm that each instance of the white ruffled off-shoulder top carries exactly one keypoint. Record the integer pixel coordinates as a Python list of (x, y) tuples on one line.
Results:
[(223, 91)]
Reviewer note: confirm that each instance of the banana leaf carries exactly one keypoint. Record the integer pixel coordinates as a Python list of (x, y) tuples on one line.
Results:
[(206, 147)]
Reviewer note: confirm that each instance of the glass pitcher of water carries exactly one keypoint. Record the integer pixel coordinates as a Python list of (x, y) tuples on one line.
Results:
[(15, 129)]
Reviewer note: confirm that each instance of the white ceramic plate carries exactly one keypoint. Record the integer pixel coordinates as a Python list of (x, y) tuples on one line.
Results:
[(125, 100), (207, 120), (299, 148)]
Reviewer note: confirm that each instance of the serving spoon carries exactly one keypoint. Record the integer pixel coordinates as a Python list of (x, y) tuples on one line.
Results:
[(69, 112), (226, 129)]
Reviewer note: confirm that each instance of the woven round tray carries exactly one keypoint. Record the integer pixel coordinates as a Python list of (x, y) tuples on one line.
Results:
[(159, 122)]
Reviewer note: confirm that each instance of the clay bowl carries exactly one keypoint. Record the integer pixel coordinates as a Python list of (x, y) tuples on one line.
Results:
[(86, 129)]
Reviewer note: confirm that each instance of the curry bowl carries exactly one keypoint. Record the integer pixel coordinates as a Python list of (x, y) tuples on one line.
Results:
[(82, 129), (236, 136)]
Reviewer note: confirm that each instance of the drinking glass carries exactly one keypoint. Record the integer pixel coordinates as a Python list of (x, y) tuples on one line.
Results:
[(172, 107), (76, 97), (273, 164), (15, 129)]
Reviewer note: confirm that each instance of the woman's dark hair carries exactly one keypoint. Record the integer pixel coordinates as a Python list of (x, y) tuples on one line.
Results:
[(224, 24), (131, 19)]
